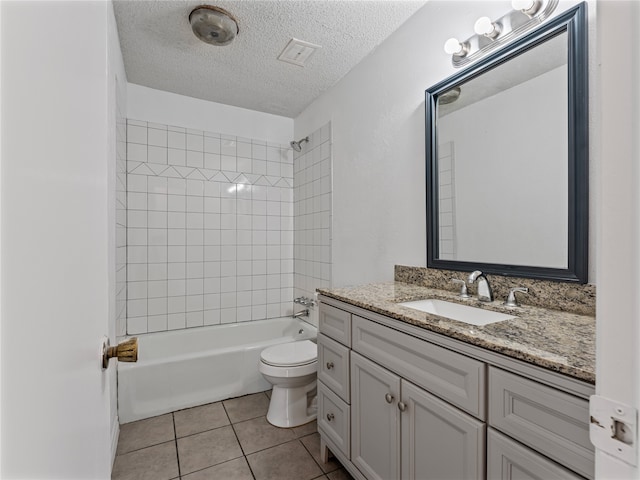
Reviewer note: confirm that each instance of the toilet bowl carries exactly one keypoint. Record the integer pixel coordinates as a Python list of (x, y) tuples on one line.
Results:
[(292, 370)]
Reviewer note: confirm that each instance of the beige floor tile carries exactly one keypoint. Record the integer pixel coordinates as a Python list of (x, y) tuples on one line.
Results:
[(145, 433), (206, 449), (340, 474), (159, 462), (306, 429), (268, 394), (287, 461), (312, 444), (237, 469), (257, 434), (200, 419), (247, 407)]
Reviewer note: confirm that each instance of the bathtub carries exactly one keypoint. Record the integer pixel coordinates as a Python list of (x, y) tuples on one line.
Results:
[(185, 368)]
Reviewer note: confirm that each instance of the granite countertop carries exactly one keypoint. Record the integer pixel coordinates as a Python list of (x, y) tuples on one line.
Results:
[(555, 340)]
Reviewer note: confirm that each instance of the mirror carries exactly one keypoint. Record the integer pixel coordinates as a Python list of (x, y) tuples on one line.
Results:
[(507, 159)]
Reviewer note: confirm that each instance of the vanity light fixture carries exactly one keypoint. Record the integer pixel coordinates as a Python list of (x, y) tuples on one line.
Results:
[(490, 34)]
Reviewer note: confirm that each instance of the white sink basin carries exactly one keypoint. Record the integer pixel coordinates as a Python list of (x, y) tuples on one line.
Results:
[(455, 311)]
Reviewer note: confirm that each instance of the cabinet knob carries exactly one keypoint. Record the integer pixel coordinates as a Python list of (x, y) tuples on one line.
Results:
[(329, 365), (330, 416), (388, 397), (402, 406)]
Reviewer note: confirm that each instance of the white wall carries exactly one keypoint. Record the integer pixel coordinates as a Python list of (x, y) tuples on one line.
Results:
[(167, 108), (57, 240), (377, 115)]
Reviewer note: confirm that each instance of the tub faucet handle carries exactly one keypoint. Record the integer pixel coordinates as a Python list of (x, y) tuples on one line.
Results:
[(126, 351)]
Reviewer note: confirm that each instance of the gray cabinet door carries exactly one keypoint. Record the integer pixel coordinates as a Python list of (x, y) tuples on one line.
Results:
[(550, 421), (439, 441), (375, 420), (509, 460)]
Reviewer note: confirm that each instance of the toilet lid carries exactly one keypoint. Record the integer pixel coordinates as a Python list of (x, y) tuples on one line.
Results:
[(290, 354)]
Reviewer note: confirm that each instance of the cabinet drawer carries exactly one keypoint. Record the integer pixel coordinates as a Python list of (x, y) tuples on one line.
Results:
[(335, 323), (333, 366), (334, 418), (453, 377), (552, 422), (507, 460)]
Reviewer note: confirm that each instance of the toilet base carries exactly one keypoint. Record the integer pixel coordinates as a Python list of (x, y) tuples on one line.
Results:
[(292, 406)]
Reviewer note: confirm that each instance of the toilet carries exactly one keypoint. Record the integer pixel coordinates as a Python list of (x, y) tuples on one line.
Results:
[(292, 370)]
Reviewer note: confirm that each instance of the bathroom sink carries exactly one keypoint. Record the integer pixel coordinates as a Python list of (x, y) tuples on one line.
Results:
[(455, 311)]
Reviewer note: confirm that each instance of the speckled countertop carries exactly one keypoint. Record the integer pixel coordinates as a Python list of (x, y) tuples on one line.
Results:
[(555, 340)]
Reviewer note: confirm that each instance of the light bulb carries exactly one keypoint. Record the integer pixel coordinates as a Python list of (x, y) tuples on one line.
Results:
[(453, 47), (484, 26), (528, 7)]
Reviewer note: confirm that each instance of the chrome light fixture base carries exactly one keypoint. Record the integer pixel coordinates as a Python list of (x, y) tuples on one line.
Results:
[(510, 25)]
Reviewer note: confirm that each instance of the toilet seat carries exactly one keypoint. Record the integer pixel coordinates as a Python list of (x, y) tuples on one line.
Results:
[(291, 354)]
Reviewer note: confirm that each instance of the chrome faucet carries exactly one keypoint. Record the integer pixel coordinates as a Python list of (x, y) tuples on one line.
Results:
[(302, 313), (484, 289)]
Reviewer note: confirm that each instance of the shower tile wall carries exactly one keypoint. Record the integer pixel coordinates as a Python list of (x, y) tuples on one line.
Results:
[(446, 198), (312, 211), (209, 228)]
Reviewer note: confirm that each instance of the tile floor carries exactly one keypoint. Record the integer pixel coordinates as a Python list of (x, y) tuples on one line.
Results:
[(228, 440)]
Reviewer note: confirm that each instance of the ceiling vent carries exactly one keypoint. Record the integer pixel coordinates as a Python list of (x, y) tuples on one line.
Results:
[(298, 52)]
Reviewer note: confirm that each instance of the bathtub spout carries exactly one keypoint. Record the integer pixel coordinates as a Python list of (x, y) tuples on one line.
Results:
[(303, 313)]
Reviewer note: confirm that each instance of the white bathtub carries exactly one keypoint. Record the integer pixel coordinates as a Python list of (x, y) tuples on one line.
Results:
[(185, 368)]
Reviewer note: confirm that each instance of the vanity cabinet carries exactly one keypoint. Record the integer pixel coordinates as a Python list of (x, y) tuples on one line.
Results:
[(399, 430), (397, 403)]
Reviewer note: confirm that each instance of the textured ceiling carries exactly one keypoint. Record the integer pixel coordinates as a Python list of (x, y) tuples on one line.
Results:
[(161, 52)]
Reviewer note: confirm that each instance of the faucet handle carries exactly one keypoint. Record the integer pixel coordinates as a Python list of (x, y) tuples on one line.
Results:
[(512, 301), (463, 288)]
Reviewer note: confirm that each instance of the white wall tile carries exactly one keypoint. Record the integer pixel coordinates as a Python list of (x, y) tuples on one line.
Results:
[(177, 140), (176, 156), (136, 134), (206, 251), (195, 319), (176, 321), (157, 137), (157, 154), (211, 317)]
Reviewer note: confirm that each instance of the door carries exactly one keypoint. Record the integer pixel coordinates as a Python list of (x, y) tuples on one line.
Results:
[(56, 252), (375, 419), (439, 441)]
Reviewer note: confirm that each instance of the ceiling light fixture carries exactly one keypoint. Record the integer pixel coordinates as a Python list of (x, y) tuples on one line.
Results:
[(213, 25)]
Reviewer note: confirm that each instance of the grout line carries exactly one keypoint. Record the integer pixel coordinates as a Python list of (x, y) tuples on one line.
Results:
[(238, 440), (175, 439)]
